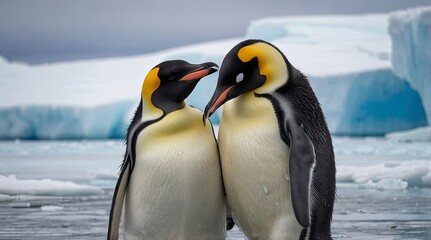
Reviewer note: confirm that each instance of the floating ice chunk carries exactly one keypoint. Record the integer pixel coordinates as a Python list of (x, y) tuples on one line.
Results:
[(386, 184), (412, 172), (51, 208), (20, 205), (10, 185), (5, 198)]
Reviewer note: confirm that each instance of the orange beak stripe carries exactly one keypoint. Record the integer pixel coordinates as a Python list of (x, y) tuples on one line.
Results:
[(195, 75), (220, 99)]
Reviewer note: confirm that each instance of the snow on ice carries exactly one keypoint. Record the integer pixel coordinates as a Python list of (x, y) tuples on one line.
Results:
[(49, 208), (421, 134), (388, 175), (10, 185)]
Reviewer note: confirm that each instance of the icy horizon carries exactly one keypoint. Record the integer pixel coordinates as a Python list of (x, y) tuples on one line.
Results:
[(351, 56)]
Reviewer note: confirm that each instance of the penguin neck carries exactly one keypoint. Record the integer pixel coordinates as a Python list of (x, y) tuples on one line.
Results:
[(248, 105), (179, 121), (150, 111)]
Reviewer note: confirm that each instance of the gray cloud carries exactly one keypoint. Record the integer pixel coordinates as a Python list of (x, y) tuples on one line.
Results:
[(52, 30)]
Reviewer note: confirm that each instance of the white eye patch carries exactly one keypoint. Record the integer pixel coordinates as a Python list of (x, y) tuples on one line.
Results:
[(239, 77)]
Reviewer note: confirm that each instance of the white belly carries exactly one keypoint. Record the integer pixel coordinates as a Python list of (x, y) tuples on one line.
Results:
[(175, 190), (256, 171)]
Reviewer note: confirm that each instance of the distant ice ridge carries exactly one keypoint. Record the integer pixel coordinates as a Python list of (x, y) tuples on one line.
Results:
[(347, 59), (411, 50), (11, 186)]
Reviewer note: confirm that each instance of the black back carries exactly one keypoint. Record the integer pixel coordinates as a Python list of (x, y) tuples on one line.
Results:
[(301, 98)]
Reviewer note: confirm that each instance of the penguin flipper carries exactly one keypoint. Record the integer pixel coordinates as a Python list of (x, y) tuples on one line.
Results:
[(301, 161), (117, 202)]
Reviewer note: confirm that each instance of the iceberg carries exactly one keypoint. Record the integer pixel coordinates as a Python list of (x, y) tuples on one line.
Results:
[(410, 31), (368, 103), (365, 86)]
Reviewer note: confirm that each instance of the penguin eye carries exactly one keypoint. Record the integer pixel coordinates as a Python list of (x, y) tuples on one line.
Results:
[(172, 78), (239, 77)]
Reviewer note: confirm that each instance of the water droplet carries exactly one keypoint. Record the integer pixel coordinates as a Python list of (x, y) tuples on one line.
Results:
[(265, 189)]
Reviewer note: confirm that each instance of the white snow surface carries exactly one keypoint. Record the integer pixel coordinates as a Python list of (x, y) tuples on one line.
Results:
[(10, 185), (347, 59), (49, 208), (418, 134), (328, 45), (388, 175)]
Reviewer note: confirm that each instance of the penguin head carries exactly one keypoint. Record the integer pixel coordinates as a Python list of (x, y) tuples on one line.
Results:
[(169, 83), (252, 66)]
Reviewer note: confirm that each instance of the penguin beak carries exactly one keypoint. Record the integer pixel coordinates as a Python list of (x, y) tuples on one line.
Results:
[(200, 71), (219, 98)]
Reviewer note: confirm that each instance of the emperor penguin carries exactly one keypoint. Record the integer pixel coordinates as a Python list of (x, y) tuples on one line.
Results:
[(276, 151), (170, 179)]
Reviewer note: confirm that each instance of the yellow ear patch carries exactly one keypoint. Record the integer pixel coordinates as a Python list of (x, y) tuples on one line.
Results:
[(151, 83), (271, 64)]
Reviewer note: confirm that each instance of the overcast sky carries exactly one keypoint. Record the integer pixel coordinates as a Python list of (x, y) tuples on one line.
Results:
[(57, 30)]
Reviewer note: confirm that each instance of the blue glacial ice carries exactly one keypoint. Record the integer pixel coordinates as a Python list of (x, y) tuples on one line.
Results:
[(362, 89), (369, 103), (411, 50), (50, 122)]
